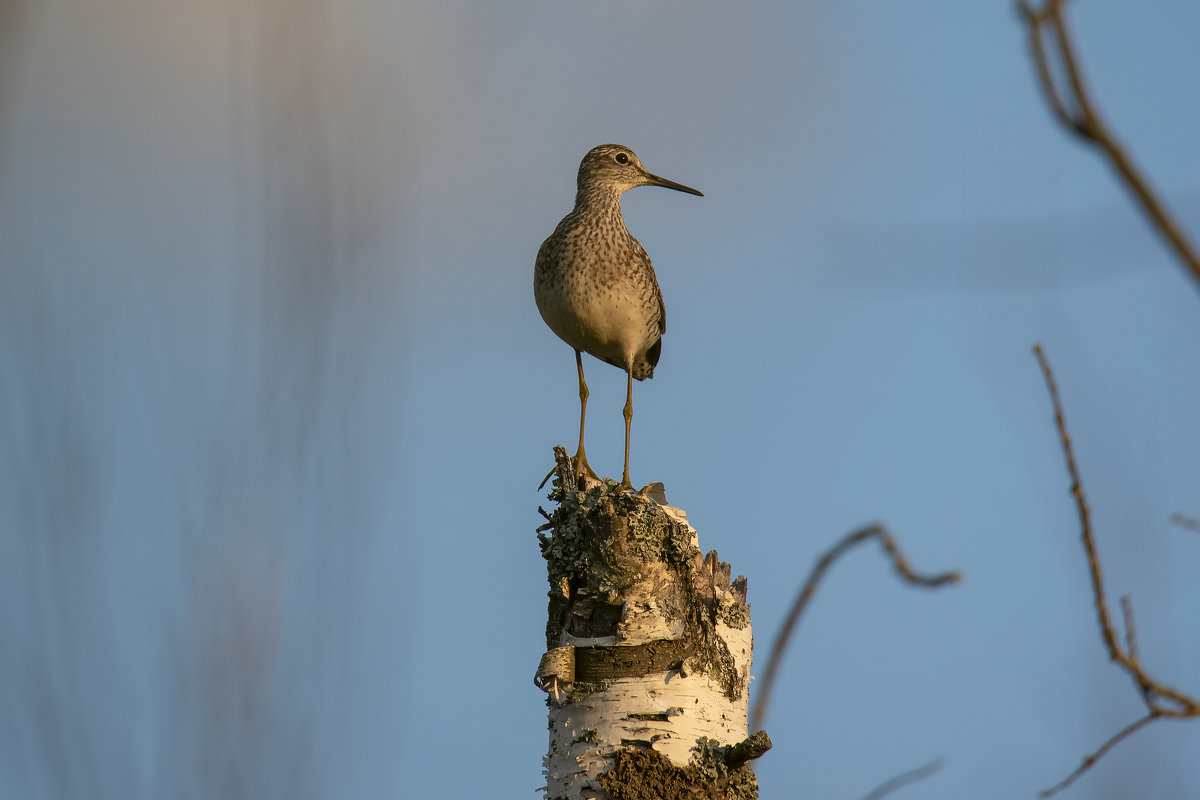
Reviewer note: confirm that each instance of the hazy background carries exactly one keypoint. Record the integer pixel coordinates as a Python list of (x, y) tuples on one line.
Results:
[(275, 398)]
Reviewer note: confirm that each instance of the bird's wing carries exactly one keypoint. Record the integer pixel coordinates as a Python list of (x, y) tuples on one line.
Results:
[(662, 312), (662, 309)]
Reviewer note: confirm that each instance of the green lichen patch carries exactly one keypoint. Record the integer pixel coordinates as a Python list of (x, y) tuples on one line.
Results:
[(735, 615), (710, 765)]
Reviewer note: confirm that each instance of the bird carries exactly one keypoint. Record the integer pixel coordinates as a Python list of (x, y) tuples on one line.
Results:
[(594, 284)]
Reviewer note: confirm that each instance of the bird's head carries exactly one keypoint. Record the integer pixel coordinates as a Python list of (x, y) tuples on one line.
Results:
[(614, 166)]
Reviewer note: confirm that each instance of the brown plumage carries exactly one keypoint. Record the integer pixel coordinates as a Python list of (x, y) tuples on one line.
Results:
[(594, 284)]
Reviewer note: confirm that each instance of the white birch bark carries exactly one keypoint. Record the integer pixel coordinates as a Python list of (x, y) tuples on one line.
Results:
[(650, 649)]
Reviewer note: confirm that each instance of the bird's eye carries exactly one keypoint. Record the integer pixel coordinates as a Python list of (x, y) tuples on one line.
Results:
[(622, 158)]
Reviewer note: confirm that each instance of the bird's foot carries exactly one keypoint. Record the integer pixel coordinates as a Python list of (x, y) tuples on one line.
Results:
[(568, 471), (582, 467)]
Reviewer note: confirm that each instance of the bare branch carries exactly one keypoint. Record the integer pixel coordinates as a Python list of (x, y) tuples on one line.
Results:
[(899, 563), (1077, 114), (903, 779), (1153, 692)]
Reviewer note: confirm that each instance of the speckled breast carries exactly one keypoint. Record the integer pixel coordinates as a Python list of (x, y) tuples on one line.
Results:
[(597, 299)]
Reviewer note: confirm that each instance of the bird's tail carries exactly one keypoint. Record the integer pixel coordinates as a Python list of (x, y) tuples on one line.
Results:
[(643, 368)]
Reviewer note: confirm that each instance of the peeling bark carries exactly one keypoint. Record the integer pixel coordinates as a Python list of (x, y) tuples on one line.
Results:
[(648, 654)]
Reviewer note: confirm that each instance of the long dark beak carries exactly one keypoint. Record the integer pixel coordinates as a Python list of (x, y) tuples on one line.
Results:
[(666, 184)]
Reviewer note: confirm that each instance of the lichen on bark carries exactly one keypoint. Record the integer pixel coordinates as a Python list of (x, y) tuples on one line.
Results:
[(605, 542), (646, 775)]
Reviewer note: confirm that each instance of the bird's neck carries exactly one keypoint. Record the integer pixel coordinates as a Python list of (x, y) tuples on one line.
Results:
[(598, 201)]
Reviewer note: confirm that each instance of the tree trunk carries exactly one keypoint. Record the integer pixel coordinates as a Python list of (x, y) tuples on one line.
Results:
[(648, 653)]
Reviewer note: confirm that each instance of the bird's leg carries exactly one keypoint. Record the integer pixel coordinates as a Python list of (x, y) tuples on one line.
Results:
[(625, 484), (581, 464)]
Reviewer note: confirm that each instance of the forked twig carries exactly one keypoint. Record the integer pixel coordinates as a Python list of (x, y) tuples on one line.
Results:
[(1072, 106), (1177, 705), (899, 564)]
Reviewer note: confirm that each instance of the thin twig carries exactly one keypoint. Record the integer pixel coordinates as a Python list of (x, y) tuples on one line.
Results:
[(1089, 543), (1078, 114), (903, 779), (899, 563), (1130, 628), (1143, 684), (1090, 760), (1153, 692), (1185, 521)]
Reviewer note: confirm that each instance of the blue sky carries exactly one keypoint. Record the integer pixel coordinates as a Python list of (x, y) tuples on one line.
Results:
[(277, 399)]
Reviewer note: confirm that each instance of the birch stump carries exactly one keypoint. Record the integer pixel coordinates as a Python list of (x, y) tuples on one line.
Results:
[(648, 654)]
